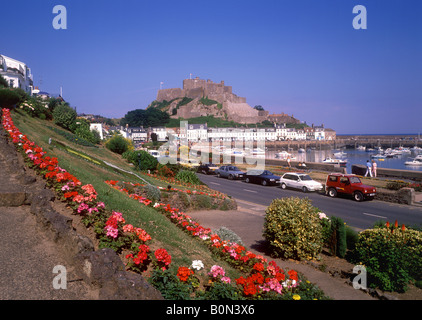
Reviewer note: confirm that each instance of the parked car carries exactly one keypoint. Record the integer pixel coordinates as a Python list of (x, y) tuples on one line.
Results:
[(300, 181), (230, 172), (207, 168), (189, 163), (263, 177), (348, 184)]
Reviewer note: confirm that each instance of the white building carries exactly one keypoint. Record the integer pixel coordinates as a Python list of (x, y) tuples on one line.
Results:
[(16, 73), (197, 132), (98, 127), (161, 133)]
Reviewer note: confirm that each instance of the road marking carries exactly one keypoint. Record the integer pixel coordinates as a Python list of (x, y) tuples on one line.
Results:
[(373, 215), (250, 191), (216, 183)]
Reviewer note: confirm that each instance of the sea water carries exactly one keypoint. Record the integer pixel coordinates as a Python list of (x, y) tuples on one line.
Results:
[(355, 157)]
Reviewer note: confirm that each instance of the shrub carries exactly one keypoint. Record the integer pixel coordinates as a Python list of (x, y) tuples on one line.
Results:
[(163, 170), (147, 161), (229, 235), (292, 227), (188, 177), (396, 184), (392, 256), (8, 98), (65, 116), (153, 193), (337, 241), (117, 144)]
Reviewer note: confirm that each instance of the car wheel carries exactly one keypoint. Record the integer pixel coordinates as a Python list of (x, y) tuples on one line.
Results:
[(230, 177), (304, 189), (332, 192), (264, 182), (218, 175), (358, 196), (283, 186), (204, 172), (247, 180)]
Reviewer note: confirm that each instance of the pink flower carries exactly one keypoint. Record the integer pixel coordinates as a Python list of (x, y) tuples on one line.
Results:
[(82, 207), (226, 279), (216, 271)]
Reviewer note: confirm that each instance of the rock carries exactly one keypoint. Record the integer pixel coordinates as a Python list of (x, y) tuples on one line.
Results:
[(104, 270)]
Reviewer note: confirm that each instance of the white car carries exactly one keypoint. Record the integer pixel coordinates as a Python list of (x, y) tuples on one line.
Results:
[(300, 181)]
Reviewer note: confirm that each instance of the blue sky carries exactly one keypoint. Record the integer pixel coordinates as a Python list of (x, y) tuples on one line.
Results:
[(299, 57)]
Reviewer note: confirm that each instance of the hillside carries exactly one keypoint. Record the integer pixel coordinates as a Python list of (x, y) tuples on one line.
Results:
[(87, 163)]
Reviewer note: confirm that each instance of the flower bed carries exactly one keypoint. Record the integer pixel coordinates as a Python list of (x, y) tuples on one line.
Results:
[(262, 279), (82, 199)]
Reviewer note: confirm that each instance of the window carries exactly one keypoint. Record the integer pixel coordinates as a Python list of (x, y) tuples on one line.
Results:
[(305, 177), (354, 180), (344, 180), (332, 178)]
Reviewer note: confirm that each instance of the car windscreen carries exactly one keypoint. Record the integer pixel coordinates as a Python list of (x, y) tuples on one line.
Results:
[(305, 177), (354, 180), (234, 169)]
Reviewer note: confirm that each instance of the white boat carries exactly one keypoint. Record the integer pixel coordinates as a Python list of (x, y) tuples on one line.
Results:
[(339, 154), (335, 161), (416, 149), (402, 150), (414, 162), (361, 148), (283, 155), (378, 156)]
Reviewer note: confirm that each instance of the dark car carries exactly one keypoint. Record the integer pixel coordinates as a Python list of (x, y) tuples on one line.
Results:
[(207, 168), (263, 177)]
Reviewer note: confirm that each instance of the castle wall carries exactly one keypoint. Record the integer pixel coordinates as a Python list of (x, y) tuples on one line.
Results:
[(169, 94)]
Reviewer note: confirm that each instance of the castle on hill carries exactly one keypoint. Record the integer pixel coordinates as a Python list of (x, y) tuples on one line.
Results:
[(228, 105)]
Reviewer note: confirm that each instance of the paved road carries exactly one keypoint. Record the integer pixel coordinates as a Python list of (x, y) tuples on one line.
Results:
[(360, 215)]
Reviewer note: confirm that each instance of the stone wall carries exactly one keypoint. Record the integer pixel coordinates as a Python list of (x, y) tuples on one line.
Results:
[(402, 196)]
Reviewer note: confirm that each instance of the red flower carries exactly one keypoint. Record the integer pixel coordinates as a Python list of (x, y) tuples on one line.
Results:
[(258, 267), (292, 275), (183, 273)]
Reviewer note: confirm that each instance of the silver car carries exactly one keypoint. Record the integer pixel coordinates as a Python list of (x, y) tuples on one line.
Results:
[(300, 181), (230, 172)]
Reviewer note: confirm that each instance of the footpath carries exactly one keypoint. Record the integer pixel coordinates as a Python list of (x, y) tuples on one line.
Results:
[(29, 258)]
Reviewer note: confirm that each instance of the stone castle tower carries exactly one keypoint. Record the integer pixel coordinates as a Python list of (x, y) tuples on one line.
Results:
[(233, 107)]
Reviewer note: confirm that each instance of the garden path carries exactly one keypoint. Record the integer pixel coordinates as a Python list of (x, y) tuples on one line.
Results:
[(27, 256)]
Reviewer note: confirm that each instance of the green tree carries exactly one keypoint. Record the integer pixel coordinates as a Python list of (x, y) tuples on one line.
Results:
[(8, 98), (65, 116), (150, 117), (117, 143)]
